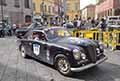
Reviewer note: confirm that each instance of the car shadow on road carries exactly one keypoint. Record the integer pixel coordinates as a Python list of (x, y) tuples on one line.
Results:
[(103, 72), (41, 62)]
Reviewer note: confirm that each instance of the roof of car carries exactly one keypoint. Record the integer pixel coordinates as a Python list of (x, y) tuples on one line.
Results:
[(46, 28), (55, 27)]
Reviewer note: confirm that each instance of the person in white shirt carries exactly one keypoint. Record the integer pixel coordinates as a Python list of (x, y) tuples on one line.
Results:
[(14, 28), (78, 23)]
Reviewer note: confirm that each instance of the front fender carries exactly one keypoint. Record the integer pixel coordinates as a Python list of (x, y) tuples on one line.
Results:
[(57, 52)]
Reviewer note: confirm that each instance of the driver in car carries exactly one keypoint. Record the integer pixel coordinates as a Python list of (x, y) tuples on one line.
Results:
[(36, 37)]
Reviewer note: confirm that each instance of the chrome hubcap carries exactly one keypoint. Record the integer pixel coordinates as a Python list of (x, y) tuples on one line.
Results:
[(63, 65)]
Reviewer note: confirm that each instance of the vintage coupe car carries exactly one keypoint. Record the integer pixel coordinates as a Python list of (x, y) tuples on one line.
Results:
[(55, 46)]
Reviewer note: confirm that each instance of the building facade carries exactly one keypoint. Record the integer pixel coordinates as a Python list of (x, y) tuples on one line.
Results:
[(16, 11), (73, 8), (47, 8), (108, 8), (88, 12), (38, 7)]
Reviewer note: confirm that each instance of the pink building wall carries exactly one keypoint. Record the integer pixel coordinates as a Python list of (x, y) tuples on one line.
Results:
[(116, 3), (106, 5)]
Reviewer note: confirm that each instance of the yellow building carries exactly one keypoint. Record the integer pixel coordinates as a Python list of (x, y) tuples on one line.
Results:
[(73, 8), (43, 7)]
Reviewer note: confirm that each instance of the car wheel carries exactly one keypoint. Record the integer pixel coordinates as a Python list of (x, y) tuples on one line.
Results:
[(23, 51), (63, 66)]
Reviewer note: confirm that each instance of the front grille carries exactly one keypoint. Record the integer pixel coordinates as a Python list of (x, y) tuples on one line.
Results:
[(91, 53)]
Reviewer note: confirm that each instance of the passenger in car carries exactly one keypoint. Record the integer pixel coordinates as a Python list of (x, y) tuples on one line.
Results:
[(36, 37)]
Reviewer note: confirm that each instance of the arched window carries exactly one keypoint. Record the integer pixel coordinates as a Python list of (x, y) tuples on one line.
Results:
[(3, 2), (28, 19), (117, 11), (26, 2)]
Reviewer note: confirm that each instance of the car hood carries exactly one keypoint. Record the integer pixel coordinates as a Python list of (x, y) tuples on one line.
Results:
[(73, 42)]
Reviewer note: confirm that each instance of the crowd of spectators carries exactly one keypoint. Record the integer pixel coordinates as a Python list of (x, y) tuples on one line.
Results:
[(88, 23)]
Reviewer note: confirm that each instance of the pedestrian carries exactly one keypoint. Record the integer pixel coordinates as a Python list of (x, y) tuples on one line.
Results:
[(63, 22), (51, 22), (96, 22), (88, 24), (83, 21), (93, 22), (14, 28), (75, 23), (103, 24), (45, 22), (78, 23)]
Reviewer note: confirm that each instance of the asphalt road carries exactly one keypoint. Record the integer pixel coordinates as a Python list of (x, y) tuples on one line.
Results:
[(15, 68)]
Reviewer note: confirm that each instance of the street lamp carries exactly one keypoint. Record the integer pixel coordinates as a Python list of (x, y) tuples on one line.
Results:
[(22, 12), (2, 10), (2, 16), (64, 6), (43, 13)]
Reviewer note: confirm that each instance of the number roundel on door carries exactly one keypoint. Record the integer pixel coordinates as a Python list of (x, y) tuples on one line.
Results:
[(36, 49)]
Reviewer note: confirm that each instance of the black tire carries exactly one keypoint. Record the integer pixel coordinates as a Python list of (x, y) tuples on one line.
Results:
[(63, 66), (23, 51)]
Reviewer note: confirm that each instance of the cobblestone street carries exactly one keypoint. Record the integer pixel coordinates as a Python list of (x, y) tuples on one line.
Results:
[(14, 68)]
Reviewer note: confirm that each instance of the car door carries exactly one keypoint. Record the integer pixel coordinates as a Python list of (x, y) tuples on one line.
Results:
[(45, 52), (32, 46), (45, 48), (39, 46)]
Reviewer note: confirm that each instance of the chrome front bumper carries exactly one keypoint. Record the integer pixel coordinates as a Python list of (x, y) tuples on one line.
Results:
[(78, 69)]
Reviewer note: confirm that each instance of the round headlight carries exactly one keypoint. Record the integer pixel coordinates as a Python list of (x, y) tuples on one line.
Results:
[(83, 56), (98, 50), (77, 54), (101, 45)]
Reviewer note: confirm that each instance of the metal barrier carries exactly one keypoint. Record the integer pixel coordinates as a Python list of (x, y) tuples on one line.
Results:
[(109, 38), (115, 39), (106, 38), (79, 33), (94, 35)]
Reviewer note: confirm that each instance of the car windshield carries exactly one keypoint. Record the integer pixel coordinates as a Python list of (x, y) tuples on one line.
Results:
[(34, 25), (57, 33)]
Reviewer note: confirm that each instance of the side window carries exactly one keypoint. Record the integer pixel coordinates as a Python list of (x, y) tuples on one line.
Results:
[(35, 36), (38, 36), (42, 36)]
